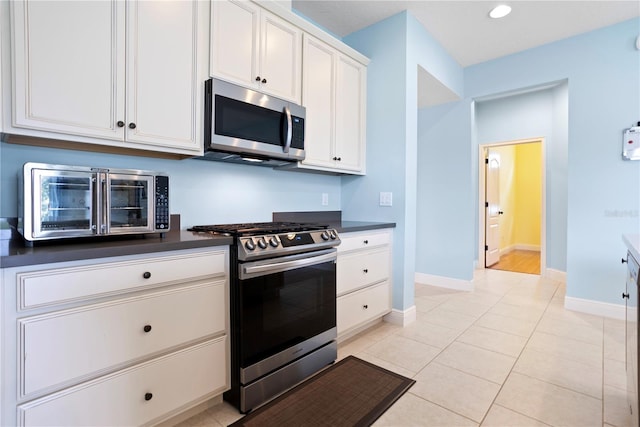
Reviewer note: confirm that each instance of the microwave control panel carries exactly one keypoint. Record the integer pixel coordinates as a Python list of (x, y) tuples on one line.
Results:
[(162, 202), (631, 143)]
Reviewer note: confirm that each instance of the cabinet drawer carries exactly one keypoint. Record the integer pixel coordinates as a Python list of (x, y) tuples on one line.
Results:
[(120, 399), (47, 287), (61, 347), (362, 306), (351, 241), (359, 269)]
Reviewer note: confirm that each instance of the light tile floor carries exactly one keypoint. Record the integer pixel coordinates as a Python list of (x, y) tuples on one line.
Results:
[(506, 354)]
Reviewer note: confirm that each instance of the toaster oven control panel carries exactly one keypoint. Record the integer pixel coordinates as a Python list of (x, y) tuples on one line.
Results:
[(162, 202)]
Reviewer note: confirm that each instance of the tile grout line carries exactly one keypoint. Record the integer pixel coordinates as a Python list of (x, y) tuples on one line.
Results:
[(493, 402)]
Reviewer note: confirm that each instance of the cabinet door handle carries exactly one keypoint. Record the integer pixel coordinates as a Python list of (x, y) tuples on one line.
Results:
[(120, 124), (147, 328), (624, 260), (148, 396), (264, 80), (366, 270), (366, 306), (132, 125), (258, 78), (146, 274), (625, 295), (366, 242)]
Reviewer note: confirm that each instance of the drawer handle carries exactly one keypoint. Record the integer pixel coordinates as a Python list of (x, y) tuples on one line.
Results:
[(365, 306), (146, 274), (366, 270), (624, 260), (625, 295), (366, 242), (148, 396), (147, 328)]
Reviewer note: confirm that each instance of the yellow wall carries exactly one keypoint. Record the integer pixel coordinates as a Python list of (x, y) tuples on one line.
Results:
[(528, 193), (520, 195)]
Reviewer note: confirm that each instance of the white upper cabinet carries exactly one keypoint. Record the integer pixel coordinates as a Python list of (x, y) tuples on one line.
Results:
[(256, 49), (69, 67), (319, 101), (129, 72), (163, 85), (334, 95)]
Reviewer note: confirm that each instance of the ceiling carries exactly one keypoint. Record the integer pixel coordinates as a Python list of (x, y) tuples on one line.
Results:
[(464, 28)]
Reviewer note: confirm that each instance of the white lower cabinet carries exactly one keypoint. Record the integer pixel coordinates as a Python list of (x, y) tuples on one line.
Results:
[(136, 349), (362, 306), (363, 279), (137, 395)]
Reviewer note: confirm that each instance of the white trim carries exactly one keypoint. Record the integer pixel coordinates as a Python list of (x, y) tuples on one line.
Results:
[(604, 309), (401, 317), (444, 282), (481, 199), (553, 274)]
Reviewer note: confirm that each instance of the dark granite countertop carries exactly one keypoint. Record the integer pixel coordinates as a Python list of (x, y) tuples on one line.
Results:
[(331, 218), (349, 226), (14, 252)]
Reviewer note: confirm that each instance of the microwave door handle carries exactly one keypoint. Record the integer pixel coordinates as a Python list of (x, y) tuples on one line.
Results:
[(95, 203), (287, 143), (104, 208)]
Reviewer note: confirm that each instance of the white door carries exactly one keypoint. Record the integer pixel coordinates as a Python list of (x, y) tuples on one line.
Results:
[(69, 66), (280, 58), (350, 89), (317, 98), (492, 208), (234, 42), (162, 74)]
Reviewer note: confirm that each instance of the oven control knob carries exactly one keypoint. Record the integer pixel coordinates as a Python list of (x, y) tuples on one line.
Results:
[(262, 243), (273, 242), (333, 235), (249, 245), (325, 235)]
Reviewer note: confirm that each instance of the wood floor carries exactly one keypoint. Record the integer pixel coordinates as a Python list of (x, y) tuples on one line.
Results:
[(519, 261)]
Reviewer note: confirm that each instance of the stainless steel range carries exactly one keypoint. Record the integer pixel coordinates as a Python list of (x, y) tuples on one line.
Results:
[(283, 306)]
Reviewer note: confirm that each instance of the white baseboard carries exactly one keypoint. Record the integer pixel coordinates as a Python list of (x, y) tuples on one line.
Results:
[(521, 247), (444, 282), (604, 309), (401, 317), (558, 275)]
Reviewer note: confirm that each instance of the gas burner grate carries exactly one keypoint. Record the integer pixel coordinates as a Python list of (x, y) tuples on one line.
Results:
[(249, 229)]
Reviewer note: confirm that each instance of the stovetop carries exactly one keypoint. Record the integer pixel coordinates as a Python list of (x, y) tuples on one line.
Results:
[(274, 239), (257, 228)]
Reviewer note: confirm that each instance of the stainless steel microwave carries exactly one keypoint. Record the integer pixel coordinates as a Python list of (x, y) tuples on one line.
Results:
[(242, 125), (59, 201)]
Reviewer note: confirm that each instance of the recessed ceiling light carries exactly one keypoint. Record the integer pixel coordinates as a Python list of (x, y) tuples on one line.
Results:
[(500, 11)]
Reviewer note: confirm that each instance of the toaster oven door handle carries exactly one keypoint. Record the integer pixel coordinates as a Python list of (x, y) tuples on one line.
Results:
[(287, 143), (258, 268)]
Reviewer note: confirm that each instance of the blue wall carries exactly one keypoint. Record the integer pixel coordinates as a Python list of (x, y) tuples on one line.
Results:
[(202, 192), (601, 69), (592, 92), (396, 46)]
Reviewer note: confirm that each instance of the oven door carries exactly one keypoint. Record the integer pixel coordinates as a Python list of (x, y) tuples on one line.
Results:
[(62, 204), (287, 310), (130, 203)]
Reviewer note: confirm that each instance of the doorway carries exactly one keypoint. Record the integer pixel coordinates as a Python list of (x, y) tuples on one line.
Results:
[(512, 206)]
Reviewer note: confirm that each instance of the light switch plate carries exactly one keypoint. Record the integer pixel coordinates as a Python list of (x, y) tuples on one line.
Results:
[(325, 199), (386, 198)]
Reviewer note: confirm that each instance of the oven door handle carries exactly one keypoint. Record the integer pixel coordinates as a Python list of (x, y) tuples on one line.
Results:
[(259, 269)]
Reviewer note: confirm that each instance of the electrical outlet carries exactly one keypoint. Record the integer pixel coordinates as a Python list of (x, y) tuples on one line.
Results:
[(325, 199), (386, 198)]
